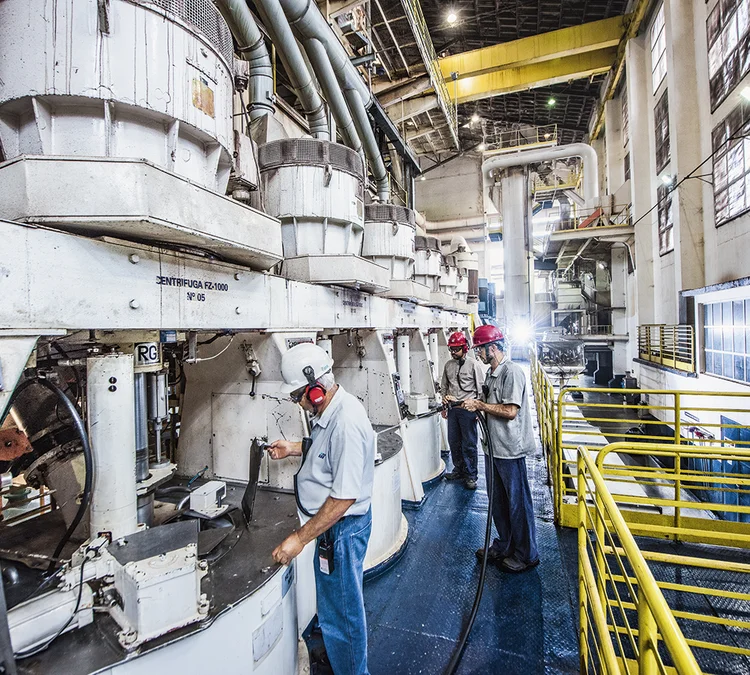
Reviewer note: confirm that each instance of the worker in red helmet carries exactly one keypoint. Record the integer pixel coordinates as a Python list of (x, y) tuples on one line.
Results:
[(506, 404), (462, 380)]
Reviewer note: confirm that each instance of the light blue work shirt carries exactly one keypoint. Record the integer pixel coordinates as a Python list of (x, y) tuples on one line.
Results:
[(341, 459), (514, 438)]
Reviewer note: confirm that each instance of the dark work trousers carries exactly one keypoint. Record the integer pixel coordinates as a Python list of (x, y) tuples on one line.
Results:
[(462, 438), (512, 510)]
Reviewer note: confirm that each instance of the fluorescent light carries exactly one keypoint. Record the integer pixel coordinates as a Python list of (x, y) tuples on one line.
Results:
[(452, 17), (475, 118), (551, 101), (423, 177), (745, 93)]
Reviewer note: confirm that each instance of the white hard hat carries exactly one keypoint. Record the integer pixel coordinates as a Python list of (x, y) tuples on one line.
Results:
[(296, 360)]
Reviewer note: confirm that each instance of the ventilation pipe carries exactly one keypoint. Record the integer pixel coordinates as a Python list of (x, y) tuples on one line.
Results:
[(308, 23), (294, 63), (252, 48), (526, 157), (335, 97)]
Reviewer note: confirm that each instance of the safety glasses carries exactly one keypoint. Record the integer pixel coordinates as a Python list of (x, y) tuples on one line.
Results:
[(456, 350), (297, 394)]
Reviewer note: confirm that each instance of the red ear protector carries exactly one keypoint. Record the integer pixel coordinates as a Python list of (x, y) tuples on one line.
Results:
[(315, 391)]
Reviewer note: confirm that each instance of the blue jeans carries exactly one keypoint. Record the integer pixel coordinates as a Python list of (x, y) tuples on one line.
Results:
[(462, 438), (341, 608), (512, 510)]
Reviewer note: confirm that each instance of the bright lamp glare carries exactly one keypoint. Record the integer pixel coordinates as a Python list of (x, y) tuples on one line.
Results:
[(666, 179), (475, 118), (451, 18), (522, 332), (481, 147)]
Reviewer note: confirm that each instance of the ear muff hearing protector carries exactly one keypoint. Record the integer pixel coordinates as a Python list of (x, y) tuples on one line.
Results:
[(315, 391)]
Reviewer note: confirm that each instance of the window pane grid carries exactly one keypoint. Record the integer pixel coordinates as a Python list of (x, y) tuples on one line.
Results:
[(728, 31), (658, 50), (661, 130), (726, 339), (666, 224), (731, 165)]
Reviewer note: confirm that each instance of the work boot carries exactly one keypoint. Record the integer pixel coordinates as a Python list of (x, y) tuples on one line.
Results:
[(513, 566), (470, 484), (454, 475), (493, 557)]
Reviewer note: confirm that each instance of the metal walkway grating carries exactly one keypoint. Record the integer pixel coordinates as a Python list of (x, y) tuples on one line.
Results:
[(526, 623)]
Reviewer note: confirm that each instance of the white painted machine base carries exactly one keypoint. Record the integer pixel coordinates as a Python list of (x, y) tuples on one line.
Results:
[(420, 458), (135, 199), (258, 636), (389, 527), (440, 299), (406, 289), (340, 270)]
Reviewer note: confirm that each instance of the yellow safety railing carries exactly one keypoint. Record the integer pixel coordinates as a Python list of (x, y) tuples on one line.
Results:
[(623, 614), (672, 346), (595, 417), (645, 606)]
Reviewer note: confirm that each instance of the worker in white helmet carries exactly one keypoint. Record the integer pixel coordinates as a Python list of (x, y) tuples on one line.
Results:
[(334, 490)]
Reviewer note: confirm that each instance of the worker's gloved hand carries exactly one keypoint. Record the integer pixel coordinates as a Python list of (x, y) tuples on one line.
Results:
[(472, 405), (280, 449), (288, 550)]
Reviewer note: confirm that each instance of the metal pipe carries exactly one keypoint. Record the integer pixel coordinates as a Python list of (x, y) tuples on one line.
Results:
[(308, 23), (111, 418), (294, 63), (335, 97), (157, 410), (526, 157), (251, 47), (141, 428), (402, 361)]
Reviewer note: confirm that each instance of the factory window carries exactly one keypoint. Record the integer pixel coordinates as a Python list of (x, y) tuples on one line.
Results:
[(726, 338), (661, 130), (666, 223), (728, 31), (658, 50), (625, 119), (731, 146), (627, 166)]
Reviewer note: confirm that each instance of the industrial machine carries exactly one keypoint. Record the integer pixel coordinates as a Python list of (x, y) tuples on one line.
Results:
[(142, 326)]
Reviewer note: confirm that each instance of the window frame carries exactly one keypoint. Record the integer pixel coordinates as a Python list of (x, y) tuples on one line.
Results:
[(658, 40), (728, 44), (736, 333), (726, 179)]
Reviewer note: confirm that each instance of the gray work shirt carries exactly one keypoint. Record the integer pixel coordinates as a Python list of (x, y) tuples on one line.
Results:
[(514, 438), (462, 381), (341, 459)]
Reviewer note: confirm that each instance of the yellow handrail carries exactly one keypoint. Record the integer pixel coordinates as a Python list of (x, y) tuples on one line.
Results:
[(655, 619)]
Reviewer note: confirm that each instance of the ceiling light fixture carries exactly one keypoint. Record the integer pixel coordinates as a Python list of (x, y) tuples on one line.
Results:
[(551, 101), (452, 17), (481, 147), (475, 118), (667, 179)]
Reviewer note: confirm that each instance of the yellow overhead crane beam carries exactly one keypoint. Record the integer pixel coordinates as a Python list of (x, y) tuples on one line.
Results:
[(540, 60)]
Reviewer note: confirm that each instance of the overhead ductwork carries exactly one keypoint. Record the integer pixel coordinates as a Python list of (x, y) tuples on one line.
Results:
[(526, 157), (294, 63), (309, 26), (252, 48)]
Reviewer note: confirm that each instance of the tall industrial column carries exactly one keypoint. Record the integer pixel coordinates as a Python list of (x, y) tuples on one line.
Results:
[(518, 261)]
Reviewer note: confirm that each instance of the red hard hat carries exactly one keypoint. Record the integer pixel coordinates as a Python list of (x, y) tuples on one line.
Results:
[(458, 339), (487, 334)]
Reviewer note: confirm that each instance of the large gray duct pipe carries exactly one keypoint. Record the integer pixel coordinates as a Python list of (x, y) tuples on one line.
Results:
[(335, 97), (281, 35), (309, 24), (526, 157), (252, 48)]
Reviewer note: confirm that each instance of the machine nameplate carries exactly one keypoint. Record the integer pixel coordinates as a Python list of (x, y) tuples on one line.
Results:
[(180, 282)]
